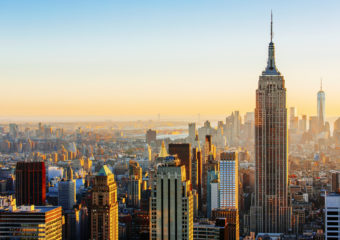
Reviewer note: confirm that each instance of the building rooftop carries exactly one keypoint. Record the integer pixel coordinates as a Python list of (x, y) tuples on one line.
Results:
[(104, 171), (29, 209)]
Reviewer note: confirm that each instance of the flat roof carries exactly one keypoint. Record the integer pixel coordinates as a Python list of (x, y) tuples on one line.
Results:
[(28, 209)]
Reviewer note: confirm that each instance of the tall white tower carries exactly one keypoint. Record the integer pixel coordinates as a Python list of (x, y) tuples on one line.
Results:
[(321, 107)]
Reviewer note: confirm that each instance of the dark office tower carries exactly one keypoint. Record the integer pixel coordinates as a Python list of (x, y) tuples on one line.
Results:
[(271, 211), (30, 185), (150, 136), (183, 152), (336, 181), (207, 147), (197, 169)]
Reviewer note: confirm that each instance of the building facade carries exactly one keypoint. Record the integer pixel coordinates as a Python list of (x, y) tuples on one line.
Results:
[(151, 136), (271, 212), (213, 191), (207, 232), (31, 222), (171, 211), (67, 194), (104, 207), (30, 185), (134, 184), (229, 182), (332, 216), (183, 152)]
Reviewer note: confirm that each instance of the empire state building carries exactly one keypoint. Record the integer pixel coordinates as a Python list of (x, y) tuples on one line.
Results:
[(270, 212)]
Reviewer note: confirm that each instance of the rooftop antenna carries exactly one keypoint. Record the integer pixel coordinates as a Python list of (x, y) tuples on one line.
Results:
[(321, 84), (271, 26)]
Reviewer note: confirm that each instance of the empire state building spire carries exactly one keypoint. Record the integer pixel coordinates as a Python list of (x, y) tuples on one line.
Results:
[(271, 27), (271, 68)]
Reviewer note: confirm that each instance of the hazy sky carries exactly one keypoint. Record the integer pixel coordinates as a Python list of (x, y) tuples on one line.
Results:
[(75, 58)]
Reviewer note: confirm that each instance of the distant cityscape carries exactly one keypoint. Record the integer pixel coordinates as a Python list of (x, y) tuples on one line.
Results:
[(267, 174)]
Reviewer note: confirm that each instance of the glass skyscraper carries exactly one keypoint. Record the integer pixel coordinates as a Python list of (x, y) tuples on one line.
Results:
[(229, 180)]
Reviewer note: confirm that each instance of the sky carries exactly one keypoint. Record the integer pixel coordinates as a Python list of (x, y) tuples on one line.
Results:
[(174, 58)]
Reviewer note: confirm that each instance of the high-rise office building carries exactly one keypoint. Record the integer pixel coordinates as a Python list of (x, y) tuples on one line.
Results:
[(335, 181), (210, 166), (249, 125), (67, 191), (30, 185), (104, 207), (332, 216), (233, 128), (183, 152), (231, 219), (192, 132), (196, 172), (31, 222), (171, 212), (196, 169), (208, 148), (271, 210), (303, 123), (213, 191), (229, 182), (321, 108), (293, 119), (229, 188), (135, 169), (336, 133), (134, 184), (151, 136)]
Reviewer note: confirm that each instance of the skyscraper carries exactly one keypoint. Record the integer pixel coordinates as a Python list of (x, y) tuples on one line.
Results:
[(303, 123), (229, 182), (150, 136), (134, 184), (293, 119), (183, 152), (229, 188), (335, 181), (212, 191), (321, 107), (67, 191), (233, 128), (192, 132), (271, 211), (30, 185), (209, 168), (171, 209), (196, 170), (104, 207)]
